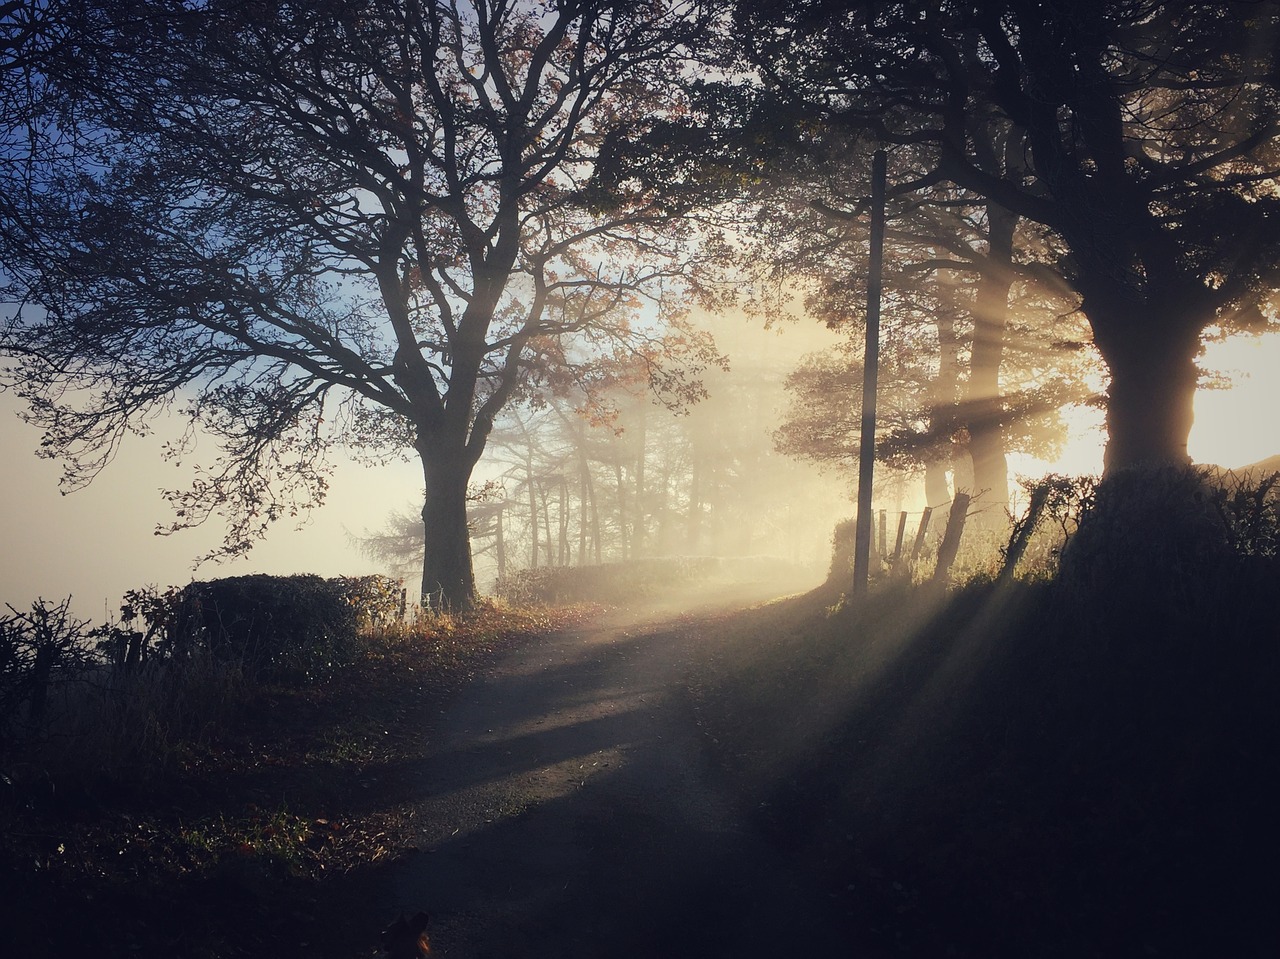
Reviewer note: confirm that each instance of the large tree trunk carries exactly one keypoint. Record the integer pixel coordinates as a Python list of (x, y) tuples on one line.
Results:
[(961, 468), (1150, 402), (984, 413), (448, 580)]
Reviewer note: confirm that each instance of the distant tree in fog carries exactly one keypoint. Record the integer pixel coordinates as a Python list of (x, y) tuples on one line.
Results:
[(822, 422), (604, 473), (979, 350), (977, 357), (800, 188)]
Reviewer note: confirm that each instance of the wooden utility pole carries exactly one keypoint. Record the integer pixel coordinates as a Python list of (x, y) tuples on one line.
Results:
[(870, 376)]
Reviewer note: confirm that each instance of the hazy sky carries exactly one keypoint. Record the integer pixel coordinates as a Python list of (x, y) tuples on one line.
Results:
[(98, 542)]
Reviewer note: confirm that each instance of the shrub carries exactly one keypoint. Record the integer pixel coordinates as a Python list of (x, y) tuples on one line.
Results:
[(39, 649), (1250, 512), (378, 601), (173, 669), (1144, 524), (290, 628), (842, 538), (148, 622)]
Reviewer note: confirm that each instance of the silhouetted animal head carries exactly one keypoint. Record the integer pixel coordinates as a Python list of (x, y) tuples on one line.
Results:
[(407, 938)]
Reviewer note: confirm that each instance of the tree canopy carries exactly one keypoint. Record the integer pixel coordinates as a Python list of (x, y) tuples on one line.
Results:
[(307, 224), (1147, 135)]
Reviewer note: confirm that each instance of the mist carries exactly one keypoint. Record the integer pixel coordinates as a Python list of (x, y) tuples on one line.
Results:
[(96, 543), (629, 470)]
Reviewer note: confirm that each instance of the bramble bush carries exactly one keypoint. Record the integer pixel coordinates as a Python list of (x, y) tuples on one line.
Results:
[(1195, 526), (174, 666)]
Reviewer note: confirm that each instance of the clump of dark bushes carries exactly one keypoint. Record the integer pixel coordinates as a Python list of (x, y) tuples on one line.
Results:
[(1160, 549), (177, 661), (291, 628), (275, 628)]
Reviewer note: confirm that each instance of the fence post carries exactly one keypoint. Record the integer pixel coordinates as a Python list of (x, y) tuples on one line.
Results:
[(884, 536), (918, 545), (951, 538), (1022, 531), (897, 545)]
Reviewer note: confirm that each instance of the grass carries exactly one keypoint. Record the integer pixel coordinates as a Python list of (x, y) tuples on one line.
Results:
[(245, 833), (1017, 770)]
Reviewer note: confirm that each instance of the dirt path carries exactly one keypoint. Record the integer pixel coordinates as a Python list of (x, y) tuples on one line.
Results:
[(567, 811)]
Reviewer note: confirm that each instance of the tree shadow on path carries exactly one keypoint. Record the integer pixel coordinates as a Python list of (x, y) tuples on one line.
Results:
[(568, 811)]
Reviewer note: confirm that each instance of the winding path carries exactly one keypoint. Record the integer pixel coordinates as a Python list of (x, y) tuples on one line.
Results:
[(567, 811)]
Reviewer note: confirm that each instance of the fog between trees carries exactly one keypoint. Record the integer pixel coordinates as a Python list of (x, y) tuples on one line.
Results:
[(625, 476)]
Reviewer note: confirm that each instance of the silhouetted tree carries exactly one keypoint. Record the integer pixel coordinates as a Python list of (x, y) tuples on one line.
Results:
[(1150, 151), (957, 385), (348, 222)]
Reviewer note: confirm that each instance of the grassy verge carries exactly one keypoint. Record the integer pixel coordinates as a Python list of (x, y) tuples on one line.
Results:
[(1017, 770), (637, 580), (250, 836)]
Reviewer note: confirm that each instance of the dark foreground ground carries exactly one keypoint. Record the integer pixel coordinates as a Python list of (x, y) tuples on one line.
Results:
[(981, 774), (1006, 772), (541, 792), (272, 833)]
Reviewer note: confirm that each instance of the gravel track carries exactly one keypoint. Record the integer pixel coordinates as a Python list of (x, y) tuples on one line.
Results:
[(567, 810)]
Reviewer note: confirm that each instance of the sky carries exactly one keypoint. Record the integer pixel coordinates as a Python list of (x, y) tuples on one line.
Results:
[(96, 543)]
